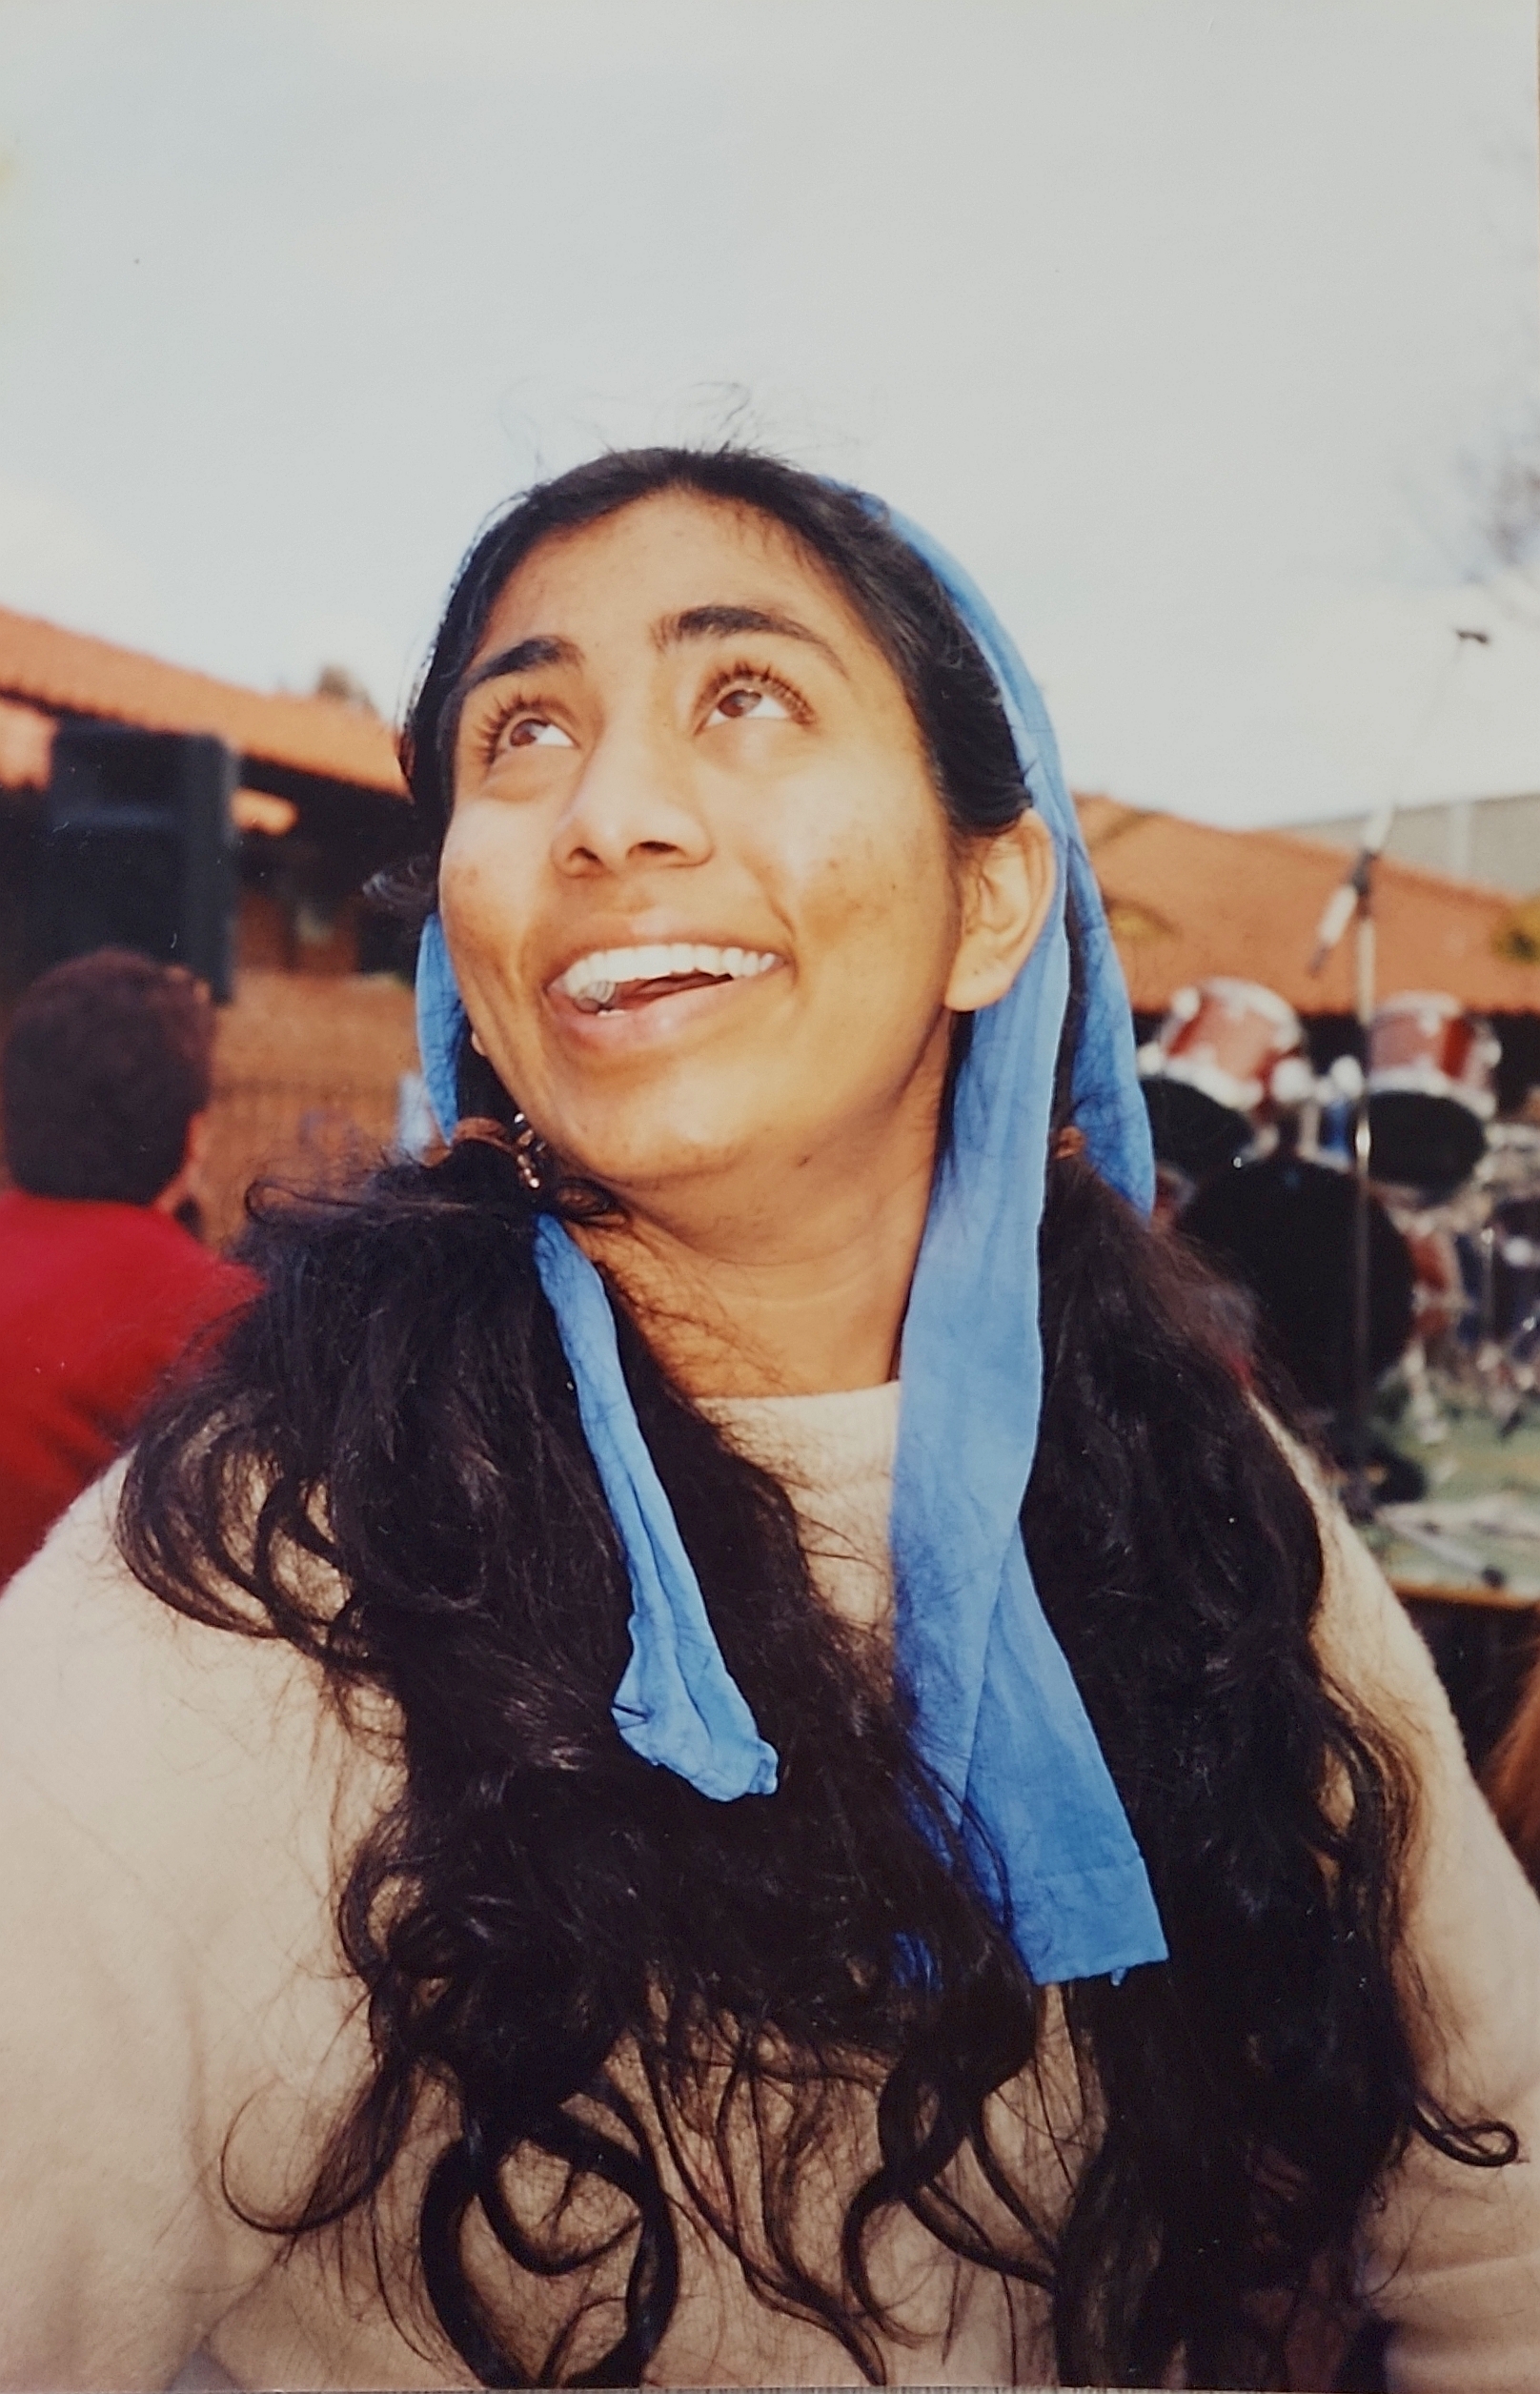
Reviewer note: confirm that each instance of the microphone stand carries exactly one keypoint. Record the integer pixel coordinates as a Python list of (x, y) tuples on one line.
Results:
[(1352, 900)]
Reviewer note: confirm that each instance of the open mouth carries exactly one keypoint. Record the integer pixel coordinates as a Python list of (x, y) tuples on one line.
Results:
[(613, 979)]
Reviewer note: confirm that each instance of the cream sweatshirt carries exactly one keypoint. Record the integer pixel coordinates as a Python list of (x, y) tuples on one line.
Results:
[(175, 1804)]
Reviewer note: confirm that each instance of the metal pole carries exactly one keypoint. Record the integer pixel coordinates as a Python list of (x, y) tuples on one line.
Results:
[(1360, 1496), (1353, 901)]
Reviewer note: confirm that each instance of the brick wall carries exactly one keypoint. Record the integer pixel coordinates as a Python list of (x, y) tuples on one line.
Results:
[(305, 1075)]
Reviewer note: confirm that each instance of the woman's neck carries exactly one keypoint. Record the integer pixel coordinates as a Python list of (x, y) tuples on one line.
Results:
[(799, 1299)]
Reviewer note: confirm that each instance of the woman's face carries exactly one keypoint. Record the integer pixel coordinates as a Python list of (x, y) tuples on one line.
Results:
[(700, 897)]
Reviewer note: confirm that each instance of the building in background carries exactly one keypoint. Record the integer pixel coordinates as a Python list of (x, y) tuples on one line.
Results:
[(310, 803)]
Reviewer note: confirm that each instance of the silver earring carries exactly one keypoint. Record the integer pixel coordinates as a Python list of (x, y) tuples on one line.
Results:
[(531, 1154)]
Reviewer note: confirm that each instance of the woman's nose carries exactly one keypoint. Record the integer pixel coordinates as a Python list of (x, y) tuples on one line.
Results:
[(632, 806)]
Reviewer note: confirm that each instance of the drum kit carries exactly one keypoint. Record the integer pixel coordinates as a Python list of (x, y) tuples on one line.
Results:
[(1381, 1229), (1256, 1154)]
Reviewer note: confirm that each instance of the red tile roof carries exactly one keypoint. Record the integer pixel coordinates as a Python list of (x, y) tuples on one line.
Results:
[(72, 673), (1186, 901)]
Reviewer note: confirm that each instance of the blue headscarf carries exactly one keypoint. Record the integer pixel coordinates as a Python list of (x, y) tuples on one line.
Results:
[(999, 1718)]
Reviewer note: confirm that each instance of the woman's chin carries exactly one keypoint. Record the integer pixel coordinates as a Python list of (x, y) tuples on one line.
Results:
[(648, 1164), (648, 1177)]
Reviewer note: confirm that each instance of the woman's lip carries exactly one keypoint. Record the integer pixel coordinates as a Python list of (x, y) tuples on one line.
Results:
[(607, 1031), (598, 944)]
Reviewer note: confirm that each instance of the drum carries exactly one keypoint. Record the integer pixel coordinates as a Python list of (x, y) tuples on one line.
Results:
[(1431, 1093), (1225, 1052), (1509, 1177), (1284, 1227)]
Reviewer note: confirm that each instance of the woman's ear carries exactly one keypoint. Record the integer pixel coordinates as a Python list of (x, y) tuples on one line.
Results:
[(1007, 885)]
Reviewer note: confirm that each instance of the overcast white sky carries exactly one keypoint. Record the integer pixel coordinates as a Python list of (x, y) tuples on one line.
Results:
[(1181, 321)]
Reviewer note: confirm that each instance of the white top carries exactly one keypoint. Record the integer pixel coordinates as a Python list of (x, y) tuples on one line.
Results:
[(834, 1457), (173, 1804)]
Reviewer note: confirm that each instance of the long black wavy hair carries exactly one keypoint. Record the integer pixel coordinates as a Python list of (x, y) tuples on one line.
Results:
[(606, 1977)]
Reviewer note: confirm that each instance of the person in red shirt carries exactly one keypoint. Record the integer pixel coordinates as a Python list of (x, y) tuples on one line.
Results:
[(104, 1092)]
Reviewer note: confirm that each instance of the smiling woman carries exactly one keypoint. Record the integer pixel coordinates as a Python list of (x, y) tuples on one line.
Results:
[(712, 926), (755, 1764)]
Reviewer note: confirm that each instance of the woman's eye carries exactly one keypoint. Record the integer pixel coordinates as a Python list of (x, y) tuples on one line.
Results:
[(534, 731), (745, 700)]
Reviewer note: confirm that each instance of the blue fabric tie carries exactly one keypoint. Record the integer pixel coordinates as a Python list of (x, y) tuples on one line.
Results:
[(999, 1718)]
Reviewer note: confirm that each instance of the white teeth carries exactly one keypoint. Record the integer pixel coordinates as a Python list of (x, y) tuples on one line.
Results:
[(593, 979)]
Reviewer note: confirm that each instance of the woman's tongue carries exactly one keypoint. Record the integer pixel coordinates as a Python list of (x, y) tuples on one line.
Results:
[(635, 993)]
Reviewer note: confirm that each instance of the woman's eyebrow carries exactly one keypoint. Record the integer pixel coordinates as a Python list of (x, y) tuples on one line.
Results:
[(524, 657), (722, 622)]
